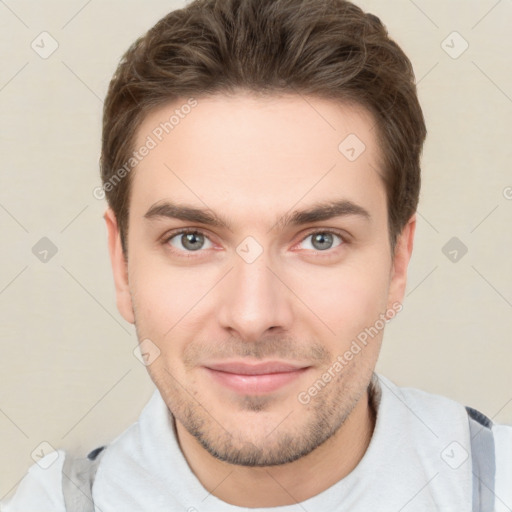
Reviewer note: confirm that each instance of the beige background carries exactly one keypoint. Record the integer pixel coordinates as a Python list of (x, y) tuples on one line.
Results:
[(69, 376)]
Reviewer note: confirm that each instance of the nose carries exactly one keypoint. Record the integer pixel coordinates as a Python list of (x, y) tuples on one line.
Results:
[(254, 299)]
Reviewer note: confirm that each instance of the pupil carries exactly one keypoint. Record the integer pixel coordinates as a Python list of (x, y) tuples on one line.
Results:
[(190, 238), (322, 238)]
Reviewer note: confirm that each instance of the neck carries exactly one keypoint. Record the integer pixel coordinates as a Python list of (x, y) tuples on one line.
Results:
[(286, 484)]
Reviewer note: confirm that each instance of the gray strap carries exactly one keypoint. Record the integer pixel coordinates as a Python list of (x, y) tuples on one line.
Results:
[(483, 461), (77, 479)]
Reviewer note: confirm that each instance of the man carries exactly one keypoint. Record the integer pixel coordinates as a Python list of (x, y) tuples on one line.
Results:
[(261, 161)]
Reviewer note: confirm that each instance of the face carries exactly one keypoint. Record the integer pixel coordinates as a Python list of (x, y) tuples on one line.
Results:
[(284, 265)]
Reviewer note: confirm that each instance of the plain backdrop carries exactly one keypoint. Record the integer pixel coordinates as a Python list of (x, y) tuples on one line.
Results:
[(69, 375)]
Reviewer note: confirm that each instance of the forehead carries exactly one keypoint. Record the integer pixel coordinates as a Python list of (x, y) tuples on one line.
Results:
[(243, 150)]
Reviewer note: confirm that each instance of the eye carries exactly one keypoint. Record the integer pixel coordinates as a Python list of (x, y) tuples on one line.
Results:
[(188, 240), (323, 240)]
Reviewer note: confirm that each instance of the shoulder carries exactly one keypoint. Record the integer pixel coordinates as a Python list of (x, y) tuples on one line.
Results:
[(503, 438), (442, 414), (41, 488), (503, 447), (438, 412)]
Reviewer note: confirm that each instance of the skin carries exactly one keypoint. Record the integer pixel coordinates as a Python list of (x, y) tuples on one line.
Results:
[(250, 160)]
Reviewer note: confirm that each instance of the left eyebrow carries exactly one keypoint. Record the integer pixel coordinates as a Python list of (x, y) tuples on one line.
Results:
[(317, 212), (323, 211)]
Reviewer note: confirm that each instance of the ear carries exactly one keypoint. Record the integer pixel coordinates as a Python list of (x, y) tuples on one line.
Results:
[(401, 258), (119, 267)]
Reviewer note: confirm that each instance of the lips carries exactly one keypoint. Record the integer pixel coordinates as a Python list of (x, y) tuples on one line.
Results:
[(259, 378), (241, 368)]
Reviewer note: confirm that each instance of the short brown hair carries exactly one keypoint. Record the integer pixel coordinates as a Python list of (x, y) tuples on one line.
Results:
[(325, 48)]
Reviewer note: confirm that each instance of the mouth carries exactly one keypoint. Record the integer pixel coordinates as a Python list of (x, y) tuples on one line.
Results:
[(255, 379)]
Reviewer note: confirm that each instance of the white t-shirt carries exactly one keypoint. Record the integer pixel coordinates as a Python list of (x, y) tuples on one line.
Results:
[(418, 460)]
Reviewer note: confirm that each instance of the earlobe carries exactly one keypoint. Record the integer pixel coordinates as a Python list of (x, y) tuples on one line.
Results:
[(119, 267), (401, 258)]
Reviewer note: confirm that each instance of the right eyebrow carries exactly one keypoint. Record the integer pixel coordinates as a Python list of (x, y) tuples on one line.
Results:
[(187, 213)]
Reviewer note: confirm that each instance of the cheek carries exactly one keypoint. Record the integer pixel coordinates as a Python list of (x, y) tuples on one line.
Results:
[(163, 297), (346, 298), (172, 304)]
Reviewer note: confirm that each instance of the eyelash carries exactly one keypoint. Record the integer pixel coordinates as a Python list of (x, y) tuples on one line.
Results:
[(190, 254)]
